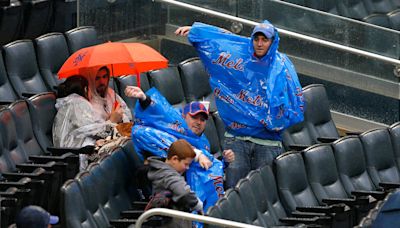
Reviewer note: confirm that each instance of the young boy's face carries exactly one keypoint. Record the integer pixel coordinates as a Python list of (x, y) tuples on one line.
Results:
[(180, 165)]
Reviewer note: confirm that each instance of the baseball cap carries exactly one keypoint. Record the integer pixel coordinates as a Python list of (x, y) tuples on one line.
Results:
[(194, 108), (265, 28), (35, 216)]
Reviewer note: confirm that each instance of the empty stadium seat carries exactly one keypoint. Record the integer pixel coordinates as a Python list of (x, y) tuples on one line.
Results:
[(37, 16), (379, 156), (355, 9), (231, 206), (297, 137), (168, 82), (394, 18), (220, 127), (195, 82), (379, 6), (394, 131), (212, 136), (7, 93), (378, 19), (329, 6), (352, 166), (66, 11), (22, 68), (130, 80), (11, 21), (81, 37), (73, 205), (52, 51)]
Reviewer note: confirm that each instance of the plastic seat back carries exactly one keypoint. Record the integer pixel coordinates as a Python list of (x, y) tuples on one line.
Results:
[(81, 37)]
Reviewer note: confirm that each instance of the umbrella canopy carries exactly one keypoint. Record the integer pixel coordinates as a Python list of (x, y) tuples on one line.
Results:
[(121, 58)]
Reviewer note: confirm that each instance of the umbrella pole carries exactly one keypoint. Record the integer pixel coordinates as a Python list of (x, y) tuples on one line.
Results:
[(138, 79), (115, 87)]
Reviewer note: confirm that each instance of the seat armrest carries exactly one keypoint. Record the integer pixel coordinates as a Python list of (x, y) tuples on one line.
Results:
[(131, 214), (298, 147), (323, 220), (62, 150), (8, 202), (376, 194), (302, 214), (389, 185), (120, 223), (326, 139), (347, 201), (323, 209)]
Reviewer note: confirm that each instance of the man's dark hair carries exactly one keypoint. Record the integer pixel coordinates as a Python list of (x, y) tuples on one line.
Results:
[(74, 84), (106, 69)]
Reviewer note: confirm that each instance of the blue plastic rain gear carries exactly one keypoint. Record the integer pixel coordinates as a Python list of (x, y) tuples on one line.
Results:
[(256, 97), (157, 126)]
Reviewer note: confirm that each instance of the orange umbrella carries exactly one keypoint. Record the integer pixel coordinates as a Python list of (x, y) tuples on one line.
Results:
[(121, 58)]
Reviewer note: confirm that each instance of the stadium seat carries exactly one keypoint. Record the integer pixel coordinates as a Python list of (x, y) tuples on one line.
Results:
[(81, 37), (379, 157), (296, 192), (394, 18), (394, 131), (329, 6), (212, 136), (37, 17), (379, 6), (22, 68), (130, 80), (354, 175), (297, 137), (168, 82), (195, 82), (317, 114), (231, 207), (73, 210), (66, 11), (220, 127), (378, 19), (52, 51), (11, 21), (355, 9), (7, 93)]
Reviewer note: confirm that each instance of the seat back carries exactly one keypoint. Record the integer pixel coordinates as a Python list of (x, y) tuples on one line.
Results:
[(379, 6), (37, 15), (22, 67), (42, 110), (212, 136), (81, 37), (249, 202), (322, 172), (394, 131), (7, 92), (91, 197), (220, 127), (394, 18), (318, 116), (329, 6), (353, 175), (73, 209), (352, 8), (231, 206), (168, 82), (379, 156), (298, 134), (11, 21), (292, 182), (52, 52), (195, 82), (378, 19), (24, 129), (130, 80)]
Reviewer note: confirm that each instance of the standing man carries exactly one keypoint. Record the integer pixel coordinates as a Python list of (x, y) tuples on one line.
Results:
[(257, 91), (108, 105)]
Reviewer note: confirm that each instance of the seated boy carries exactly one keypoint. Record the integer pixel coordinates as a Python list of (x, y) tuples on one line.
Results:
[(167, 176)]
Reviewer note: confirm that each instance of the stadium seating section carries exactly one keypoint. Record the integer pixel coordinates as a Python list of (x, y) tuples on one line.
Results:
[(383, 13), (323, 179)]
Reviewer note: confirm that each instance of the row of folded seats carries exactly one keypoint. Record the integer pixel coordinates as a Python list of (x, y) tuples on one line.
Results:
[(336, 184), (28, 67), (27, 19), (384, 13)]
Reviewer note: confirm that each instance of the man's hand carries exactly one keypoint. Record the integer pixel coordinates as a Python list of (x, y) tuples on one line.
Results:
[(183, 31), (135, 92), (116, 115), (204, 161), (229, 155)]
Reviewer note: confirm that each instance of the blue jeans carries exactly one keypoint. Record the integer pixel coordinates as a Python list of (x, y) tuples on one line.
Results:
[(248, 156)]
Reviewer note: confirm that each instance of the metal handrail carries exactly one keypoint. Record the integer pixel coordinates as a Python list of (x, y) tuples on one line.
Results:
[(286, 32), (190, 217)]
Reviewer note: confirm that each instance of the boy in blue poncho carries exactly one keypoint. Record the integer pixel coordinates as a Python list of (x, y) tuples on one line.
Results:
[(158, 125), (257, 91)]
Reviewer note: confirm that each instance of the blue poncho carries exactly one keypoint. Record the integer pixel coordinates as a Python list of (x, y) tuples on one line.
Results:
[(255, 97), (158, 126)]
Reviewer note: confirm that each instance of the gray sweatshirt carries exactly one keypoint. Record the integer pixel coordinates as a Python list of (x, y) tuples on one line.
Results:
[(164, 177)]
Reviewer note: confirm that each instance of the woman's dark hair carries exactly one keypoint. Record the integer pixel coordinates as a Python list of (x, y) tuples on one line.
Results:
[(74, 84)]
